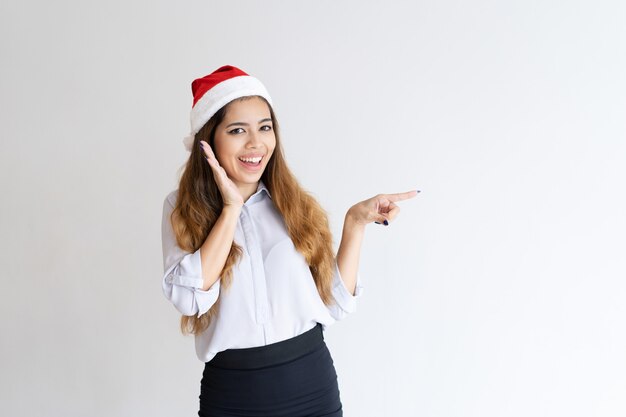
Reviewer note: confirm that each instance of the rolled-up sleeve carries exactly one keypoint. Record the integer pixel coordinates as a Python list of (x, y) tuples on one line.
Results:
[(182, 280), (345, 301)]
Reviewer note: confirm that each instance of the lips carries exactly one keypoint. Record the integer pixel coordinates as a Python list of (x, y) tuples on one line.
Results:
[(250, 166)]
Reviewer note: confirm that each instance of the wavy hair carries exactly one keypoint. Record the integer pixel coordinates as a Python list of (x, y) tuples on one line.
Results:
[(200, 203)]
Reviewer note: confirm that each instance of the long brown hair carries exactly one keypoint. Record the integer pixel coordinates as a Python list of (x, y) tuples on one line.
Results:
[(200, 203)]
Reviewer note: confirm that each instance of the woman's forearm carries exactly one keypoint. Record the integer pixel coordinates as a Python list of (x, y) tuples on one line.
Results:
[(349, 251), (215, 249)]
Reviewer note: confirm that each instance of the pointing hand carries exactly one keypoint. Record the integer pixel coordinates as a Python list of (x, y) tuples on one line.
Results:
[(380, 209)]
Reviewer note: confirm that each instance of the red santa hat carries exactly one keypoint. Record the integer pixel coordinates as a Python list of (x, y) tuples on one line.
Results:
[(214, 91)]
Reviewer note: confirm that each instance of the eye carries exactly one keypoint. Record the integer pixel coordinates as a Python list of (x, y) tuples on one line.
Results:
[(268, 126), (232, 131)]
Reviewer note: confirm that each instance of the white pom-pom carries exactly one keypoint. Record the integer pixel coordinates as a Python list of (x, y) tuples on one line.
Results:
[(188, 141)]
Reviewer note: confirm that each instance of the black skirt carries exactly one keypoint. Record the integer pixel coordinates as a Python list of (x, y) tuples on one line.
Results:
[(291, 378)]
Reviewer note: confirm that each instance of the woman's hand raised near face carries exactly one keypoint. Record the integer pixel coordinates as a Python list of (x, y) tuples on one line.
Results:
[(228, 189)]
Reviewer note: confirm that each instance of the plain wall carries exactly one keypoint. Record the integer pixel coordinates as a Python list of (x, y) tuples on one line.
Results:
[(498, 291)]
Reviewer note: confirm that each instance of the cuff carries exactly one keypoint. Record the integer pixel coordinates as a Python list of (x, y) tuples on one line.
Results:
[(188, 273), (344, 298), (205, 299)]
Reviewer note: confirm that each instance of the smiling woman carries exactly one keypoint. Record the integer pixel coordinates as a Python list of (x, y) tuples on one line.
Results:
[(257, 306), (238, 202)]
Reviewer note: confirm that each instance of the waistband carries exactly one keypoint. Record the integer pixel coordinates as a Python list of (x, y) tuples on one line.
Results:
[(272, 354)]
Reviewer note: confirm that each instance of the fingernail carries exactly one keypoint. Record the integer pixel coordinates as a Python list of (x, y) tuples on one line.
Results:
[(386, 223)]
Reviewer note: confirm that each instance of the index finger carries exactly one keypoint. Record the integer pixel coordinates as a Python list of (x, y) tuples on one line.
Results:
[(207, 149), (401, 196)]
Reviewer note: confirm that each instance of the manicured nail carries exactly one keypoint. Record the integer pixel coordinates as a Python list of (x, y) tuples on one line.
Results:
[(386, 223)]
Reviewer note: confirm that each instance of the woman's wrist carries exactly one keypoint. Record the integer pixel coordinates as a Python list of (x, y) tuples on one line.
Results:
[(351, 223), (231, 210)]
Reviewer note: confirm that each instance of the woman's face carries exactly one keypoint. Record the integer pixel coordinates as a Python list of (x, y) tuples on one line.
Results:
[(247, 131)]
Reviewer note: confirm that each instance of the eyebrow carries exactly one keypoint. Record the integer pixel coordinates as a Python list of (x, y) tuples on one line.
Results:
[(269, 119)]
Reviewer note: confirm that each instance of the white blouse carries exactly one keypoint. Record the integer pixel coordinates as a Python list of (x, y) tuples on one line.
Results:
[(272, 296)]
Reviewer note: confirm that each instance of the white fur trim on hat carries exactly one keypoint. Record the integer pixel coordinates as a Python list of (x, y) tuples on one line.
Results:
[(220, 95)]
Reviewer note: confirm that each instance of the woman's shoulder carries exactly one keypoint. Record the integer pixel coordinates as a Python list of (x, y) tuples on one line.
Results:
[(171, 197)]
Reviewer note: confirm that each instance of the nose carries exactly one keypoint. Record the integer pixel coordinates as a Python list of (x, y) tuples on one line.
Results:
[(253, 138)]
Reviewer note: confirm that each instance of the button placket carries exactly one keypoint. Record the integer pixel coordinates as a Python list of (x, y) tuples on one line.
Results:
[(256, 264)]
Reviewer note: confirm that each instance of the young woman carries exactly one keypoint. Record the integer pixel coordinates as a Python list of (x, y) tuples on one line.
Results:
[(248, 259)]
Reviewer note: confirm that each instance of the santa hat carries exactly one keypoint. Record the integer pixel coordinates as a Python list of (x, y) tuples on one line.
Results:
[(214, 91)]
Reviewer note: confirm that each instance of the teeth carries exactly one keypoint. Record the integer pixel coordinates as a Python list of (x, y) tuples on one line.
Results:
[(253, 160)]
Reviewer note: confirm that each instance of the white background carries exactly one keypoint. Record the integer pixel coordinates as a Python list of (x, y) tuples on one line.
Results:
[(498, 291)]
